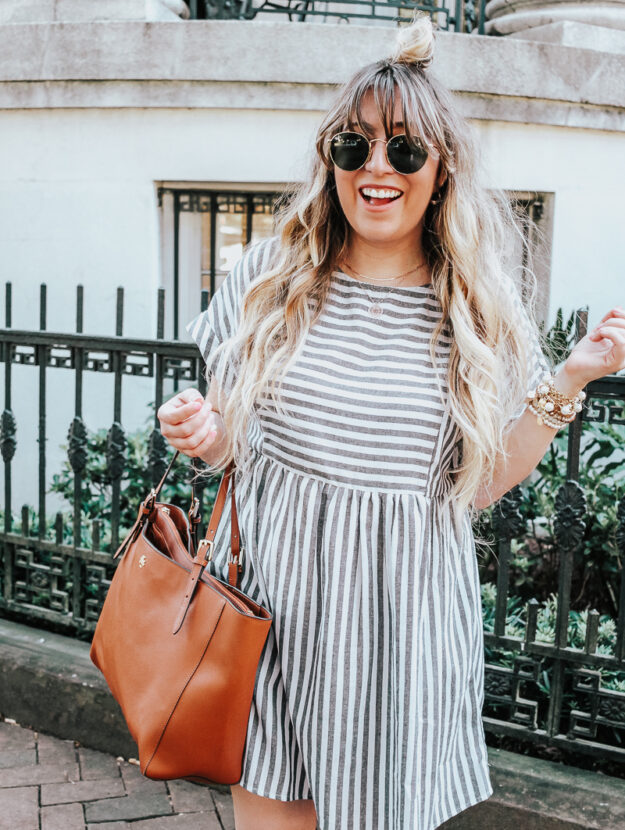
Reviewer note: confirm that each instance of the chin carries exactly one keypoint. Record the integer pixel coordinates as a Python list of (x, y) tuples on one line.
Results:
[(379, 231)]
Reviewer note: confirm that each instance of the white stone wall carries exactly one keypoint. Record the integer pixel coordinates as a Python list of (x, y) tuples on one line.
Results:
[(78, 202)]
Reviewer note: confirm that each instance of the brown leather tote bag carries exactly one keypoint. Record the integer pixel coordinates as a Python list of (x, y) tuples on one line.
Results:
[(179, 648)]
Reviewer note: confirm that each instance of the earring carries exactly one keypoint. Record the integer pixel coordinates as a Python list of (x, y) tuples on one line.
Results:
[(436, 201)]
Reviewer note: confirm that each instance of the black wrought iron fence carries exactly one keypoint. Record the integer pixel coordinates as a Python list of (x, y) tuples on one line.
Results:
[(455, 15), (55, 569), (45, 577)]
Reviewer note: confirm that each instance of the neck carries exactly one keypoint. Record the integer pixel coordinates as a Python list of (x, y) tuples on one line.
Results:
[(386, 259)]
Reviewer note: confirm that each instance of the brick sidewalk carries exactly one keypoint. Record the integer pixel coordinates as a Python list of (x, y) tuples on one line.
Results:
[(50, 784)]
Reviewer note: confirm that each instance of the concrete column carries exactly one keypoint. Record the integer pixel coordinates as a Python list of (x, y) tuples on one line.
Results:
[(592, 24), (89, 11)]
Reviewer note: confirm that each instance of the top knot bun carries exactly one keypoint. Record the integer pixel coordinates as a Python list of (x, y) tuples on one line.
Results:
[(415, 43)]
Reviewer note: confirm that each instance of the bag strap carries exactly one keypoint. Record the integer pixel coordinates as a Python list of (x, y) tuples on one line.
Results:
[(205, 546), (204, 552)]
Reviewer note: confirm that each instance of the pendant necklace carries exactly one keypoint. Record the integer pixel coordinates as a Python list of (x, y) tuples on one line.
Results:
[(375, 307)]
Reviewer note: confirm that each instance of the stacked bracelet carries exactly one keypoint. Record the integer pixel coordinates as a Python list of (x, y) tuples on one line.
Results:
[(552, 407)]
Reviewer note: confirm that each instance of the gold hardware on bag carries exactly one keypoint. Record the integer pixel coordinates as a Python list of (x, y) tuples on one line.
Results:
[(194, 509), (207, 543), (166, 511), (237, 560), (142, 561)]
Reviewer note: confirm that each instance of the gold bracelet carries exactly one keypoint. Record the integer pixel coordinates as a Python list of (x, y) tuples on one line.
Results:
[(552, 407)]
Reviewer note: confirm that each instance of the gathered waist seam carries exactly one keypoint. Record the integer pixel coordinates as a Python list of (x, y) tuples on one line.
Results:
[(341, 485)]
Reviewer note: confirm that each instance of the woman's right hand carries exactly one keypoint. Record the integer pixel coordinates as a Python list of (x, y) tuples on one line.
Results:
[(190, 424)]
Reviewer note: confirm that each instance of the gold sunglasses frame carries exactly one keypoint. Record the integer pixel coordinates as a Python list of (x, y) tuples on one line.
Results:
[(371, 142)]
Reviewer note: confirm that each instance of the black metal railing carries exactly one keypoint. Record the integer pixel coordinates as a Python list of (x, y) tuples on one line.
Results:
[(580, 714), (57, 580), (55, 569), (456, 15)]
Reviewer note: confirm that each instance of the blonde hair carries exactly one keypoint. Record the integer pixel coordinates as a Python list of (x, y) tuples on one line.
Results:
[(464, 235)]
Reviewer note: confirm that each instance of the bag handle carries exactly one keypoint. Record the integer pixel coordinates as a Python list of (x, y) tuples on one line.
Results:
[(204, 553), (205, 546)]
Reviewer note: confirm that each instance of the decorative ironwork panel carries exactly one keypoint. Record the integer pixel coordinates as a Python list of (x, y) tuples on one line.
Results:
[(116, 445), (570, 510), (497, 683), (25, 355), (609, 412), (97, 582), (505, 686), (77, 445), (97, 361), (180, 369), (8, 430), (507, 519), (139, 364), (605, 707), (158, 452), (61, 357), (43, 584), (523, 710)]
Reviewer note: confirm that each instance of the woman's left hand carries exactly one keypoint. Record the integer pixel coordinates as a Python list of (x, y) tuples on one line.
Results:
[(602, 351)]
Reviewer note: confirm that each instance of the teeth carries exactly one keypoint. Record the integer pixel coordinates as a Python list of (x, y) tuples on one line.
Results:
[(380, 194)]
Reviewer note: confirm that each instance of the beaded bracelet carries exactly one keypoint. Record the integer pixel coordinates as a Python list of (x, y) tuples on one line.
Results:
[(552, 407)]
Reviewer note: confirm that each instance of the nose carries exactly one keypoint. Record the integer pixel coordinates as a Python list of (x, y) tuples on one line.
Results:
[(378, 163)]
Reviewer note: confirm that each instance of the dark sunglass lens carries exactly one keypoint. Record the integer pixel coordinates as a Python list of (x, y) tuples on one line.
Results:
[(406, 156), (349, 151)]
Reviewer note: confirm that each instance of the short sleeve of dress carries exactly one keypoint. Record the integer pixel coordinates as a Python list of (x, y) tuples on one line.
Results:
[(220, 321), (538, 365)]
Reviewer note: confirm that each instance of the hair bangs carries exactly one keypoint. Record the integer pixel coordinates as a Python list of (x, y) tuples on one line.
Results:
[(388, 85)]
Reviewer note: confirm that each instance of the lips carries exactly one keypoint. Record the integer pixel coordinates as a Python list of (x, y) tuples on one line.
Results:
[(379, 201)]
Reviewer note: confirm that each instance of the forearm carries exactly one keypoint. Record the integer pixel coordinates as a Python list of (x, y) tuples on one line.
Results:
[(526, 443)]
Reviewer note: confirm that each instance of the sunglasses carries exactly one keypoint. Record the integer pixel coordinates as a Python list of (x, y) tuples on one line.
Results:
[(350, 151)]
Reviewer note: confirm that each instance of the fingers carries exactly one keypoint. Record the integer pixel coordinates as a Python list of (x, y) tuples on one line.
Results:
[(188, 395), (615, 333), (202, 421), (181, 407), (199, 442), (617, 313), (189, 423), (613, 321)]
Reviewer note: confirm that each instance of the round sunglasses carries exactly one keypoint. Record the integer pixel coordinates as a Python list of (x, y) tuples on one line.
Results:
[(350, 151)]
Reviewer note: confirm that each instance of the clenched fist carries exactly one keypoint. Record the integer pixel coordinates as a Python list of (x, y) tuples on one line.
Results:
[(191, 425)]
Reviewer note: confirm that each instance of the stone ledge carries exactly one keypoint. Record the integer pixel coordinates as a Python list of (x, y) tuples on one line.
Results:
[(576, 35), (107, 95), (38, 11), (49, 683), (311, 53)]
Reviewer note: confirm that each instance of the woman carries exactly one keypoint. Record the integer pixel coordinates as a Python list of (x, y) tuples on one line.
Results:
[(370, 367)]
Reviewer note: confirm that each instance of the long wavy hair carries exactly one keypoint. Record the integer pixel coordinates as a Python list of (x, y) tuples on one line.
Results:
[(464, 236)]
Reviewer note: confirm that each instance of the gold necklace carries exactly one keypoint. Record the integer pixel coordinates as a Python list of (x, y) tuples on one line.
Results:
[(383, 279), (375, 308)]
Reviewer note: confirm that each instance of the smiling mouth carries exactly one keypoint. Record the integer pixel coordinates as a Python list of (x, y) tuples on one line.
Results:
[(379, 196)]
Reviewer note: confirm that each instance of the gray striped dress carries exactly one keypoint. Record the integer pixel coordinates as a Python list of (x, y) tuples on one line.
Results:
[(369, 691)]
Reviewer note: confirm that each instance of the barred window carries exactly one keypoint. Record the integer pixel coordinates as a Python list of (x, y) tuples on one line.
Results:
[(203, 233)]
